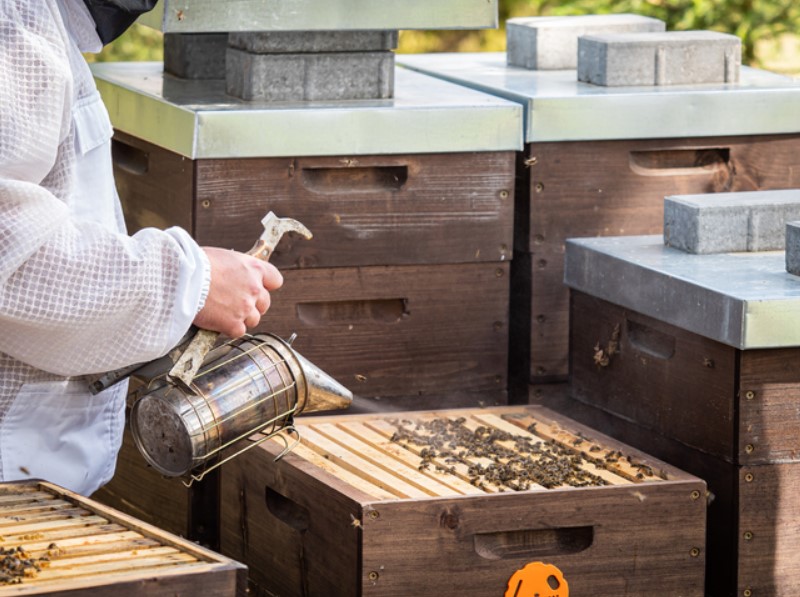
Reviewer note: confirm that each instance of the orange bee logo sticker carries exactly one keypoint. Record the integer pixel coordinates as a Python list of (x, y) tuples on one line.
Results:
[(537, 579)]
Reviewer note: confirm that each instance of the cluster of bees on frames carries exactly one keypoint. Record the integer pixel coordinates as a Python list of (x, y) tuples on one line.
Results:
[(492, 456), (17, 564)]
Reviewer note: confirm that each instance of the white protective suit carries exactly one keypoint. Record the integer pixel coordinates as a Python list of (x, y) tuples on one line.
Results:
[(77, 295)]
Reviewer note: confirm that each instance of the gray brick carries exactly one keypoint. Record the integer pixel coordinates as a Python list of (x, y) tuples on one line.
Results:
[(326, 76), (730, 222), (195, 55), (551, 43), (793, 247), (668, 58), (301, 42)]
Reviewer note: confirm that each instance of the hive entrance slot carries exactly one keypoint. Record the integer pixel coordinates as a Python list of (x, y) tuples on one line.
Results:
[(348, 312), (350, 180), (650, 341), (287, 511), (533, 542), (670, 162), (129, 158)]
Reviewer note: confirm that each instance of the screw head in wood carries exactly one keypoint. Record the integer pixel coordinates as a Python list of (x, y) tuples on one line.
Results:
[(747, 593), (749, 477), (694, 552), (373, 575), (750, 394), (206, 203), (539, 187), (695, 495), (373, 514), (749, 448), (748, 535), (503, 194)]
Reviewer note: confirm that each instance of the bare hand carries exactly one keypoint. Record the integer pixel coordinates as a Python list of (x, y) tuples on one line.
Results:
[(239, 292)]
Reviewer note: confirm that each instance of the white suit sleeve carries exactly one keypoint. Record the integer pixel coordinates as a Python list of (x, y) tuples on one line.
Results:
[(75, 297)]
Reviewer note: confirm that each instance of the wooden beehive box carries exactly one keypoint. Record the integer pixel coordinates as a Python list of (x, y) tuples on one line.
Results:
[(372, 505), (408, 218), (73, 545), (399, 241), (650, 367), (598, 162)]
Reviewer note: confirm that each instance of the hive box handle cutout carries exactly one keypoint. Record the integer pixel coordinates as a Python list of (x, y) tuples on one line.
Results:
[(353, 180), (530, 543), (672, 162)]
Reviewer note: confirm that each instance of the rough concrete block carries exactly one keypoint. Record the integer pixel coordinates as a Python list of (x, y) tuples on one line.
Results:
[(551, 43), (195, 55), (302, 42), (667, 58), (793, 248), (308, 77), (730, 222)]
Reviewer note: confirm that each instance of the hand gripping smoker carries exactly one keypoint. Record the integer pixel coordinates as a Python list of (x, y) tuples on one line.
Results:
[(211, 399)]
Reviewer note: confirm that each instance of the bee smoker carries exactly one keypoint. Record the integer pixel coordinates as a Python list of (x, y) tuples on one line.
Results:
[(200, 403), (249, 385)]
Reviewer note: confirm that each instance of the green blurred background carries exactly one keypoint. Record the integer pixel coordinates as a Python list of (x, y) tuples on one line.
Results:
[(768, 28)]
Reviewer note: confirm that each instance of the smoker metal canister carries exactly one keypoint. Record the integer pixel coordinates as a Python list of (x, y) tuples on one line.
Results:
[(252, 384)]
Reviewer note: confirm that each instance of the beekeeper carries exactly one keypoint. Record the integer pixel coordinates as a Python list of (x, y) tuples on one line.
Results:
[(79, 296)]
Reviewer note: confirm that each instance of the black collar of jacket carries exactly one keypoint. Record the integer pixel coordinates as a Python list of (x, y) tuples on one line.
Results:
[(113, 17)]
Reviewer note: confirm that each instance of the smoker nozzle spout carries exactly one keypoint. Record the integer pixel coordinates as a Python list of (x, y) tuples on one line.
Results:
[(323, 392)]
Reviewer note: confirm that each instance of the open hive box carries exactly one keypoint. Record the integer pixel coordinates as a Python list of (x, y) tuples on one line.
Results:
[(455, 502), (56, 542)]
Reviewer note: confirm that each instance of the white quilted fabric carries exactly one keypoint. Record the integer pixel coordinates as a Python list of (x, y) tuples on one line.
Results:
[(77, 295)]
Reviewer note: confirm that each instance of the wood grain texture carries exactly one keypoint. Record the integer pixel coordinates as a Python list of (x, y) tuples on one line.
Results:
[(435, 333), (769, 538), (616, 188), (671, 381), (364, 210), (769, 388)]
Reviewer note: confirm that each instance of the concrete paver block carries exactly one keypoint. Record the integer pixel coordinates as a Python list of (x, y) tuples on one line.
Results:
[(308, 77), (793, 247), (195, 55), (301, 42), (551, 43), (730, 222), (666, 58)]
